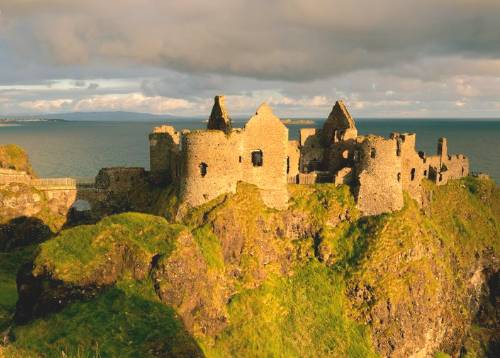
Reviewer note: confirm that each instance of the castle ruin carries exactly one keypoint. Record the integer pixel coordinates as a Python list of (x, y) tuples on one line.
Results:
[(207, 163)]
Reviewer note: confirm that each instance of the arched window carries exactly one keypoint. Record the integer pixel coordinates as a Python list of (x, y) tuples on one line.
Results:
[(257, 158), (412, 174), (373, 152), (203, 169)]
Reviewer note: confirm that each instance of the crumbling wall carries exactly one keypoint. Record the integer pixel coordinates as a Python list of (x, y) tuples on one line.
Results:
[(164, 154), (120, 179), (443, 167), (210, 165), (378, 174), (292, 164), (311, 150), (265, 133), (413, 169), (340, 155), (339, 125), (219, 117)]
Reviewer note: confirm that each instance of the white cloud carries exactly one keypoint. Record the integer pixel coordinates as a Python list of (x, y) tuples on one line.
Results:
[(131, 102), (45, 106)]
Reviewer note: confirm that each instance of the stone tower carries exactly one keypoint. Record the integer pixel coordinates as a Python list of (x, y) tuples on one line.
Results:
[(219, 118), (339, 126)]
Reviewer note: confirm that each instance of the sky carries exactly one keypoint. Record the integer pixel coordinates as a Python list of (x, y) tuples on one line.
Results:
[(398, 58)]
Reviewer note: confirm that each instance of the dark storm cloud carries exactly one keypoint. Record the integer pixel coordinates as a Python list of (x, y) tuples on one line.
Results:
[(287, 40)]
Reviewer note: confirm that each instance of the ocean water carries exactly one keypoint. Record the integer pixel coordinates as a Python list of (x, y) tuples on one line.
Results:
[(80, 148)]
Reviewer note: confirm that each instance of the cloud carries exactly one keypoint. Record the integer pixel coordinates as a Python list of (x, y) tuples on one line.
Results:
[(289, 40), (389, 58), (131, 102), (56, 105)]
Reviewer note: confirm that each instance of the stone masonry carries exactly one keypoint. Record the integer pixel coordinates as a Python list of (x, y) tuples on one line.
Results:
[(207, 163)]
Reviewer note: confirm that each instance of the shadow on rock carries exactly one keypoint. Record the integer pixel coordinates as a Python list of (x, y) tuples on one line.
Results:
[(23, 231)]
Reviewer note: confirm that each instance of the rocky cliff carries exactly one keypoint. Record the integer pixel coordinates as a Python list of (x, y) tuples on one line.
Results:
[(235, 278)]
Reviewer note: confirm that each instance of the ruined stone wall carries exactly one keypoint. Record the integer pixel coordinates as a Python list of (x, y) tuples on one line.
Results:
[(340, 155), (210, 165), (120, 179), (443, 167), (339, 125), (293, 157), (265, 132), (311, 150), (378, 172), (413, 169), (164, 154)]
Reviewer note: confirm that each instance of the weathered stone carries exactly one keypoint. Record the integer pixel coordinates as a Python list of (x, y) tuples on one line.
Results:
[(219, 118)]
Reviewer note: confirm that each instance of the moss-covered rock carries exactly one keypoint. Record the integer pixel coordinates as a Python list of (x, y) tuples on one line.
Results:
[(313, 280)]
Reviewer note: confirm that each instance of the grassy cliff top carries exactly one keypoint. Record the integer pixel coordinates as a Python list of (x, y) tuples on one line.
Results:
[(314, 280), (89, 253), (13, 156)]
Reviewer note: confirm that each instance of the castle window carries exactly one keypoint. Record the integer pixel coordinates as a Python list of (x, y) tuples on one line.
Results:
[(203, 169), (240, 159), (425, 173), (257, 158), (398, 148), (463, 170), (399, 176), (345, 154), (412, 174), (287, 165), (440, 177), (373, 152)]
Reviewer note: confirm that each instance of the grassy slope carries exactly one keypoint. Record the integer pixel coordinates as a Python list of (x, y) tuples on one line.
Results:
[(306, 313), (14, 157), (128, 319), (10, 262)]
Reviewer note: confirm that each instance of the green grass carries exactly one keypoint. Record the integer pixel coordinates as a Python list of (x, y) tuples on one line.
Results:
[(10, 262), (210, 247), (297, 316), (82, 255), (13, 156), (124, 321), (306, 310)]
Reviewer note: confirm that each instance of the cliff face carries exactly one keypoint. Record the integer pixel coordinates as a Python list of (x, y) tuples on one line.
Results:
[(236, 278), (27, 214)]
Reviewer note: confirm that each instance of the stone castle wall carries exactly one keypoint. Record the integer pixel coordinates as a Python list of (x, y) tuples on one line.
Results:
[(311, 150), (264, 132), (412, 166), (210, 165), (213, 162), (378, 170), (120, 179), (293, 158), (164, 154)]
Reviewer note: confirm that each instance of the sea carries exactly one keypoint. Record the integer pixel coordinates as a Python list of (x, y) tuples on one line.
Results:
[(80, 148)]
